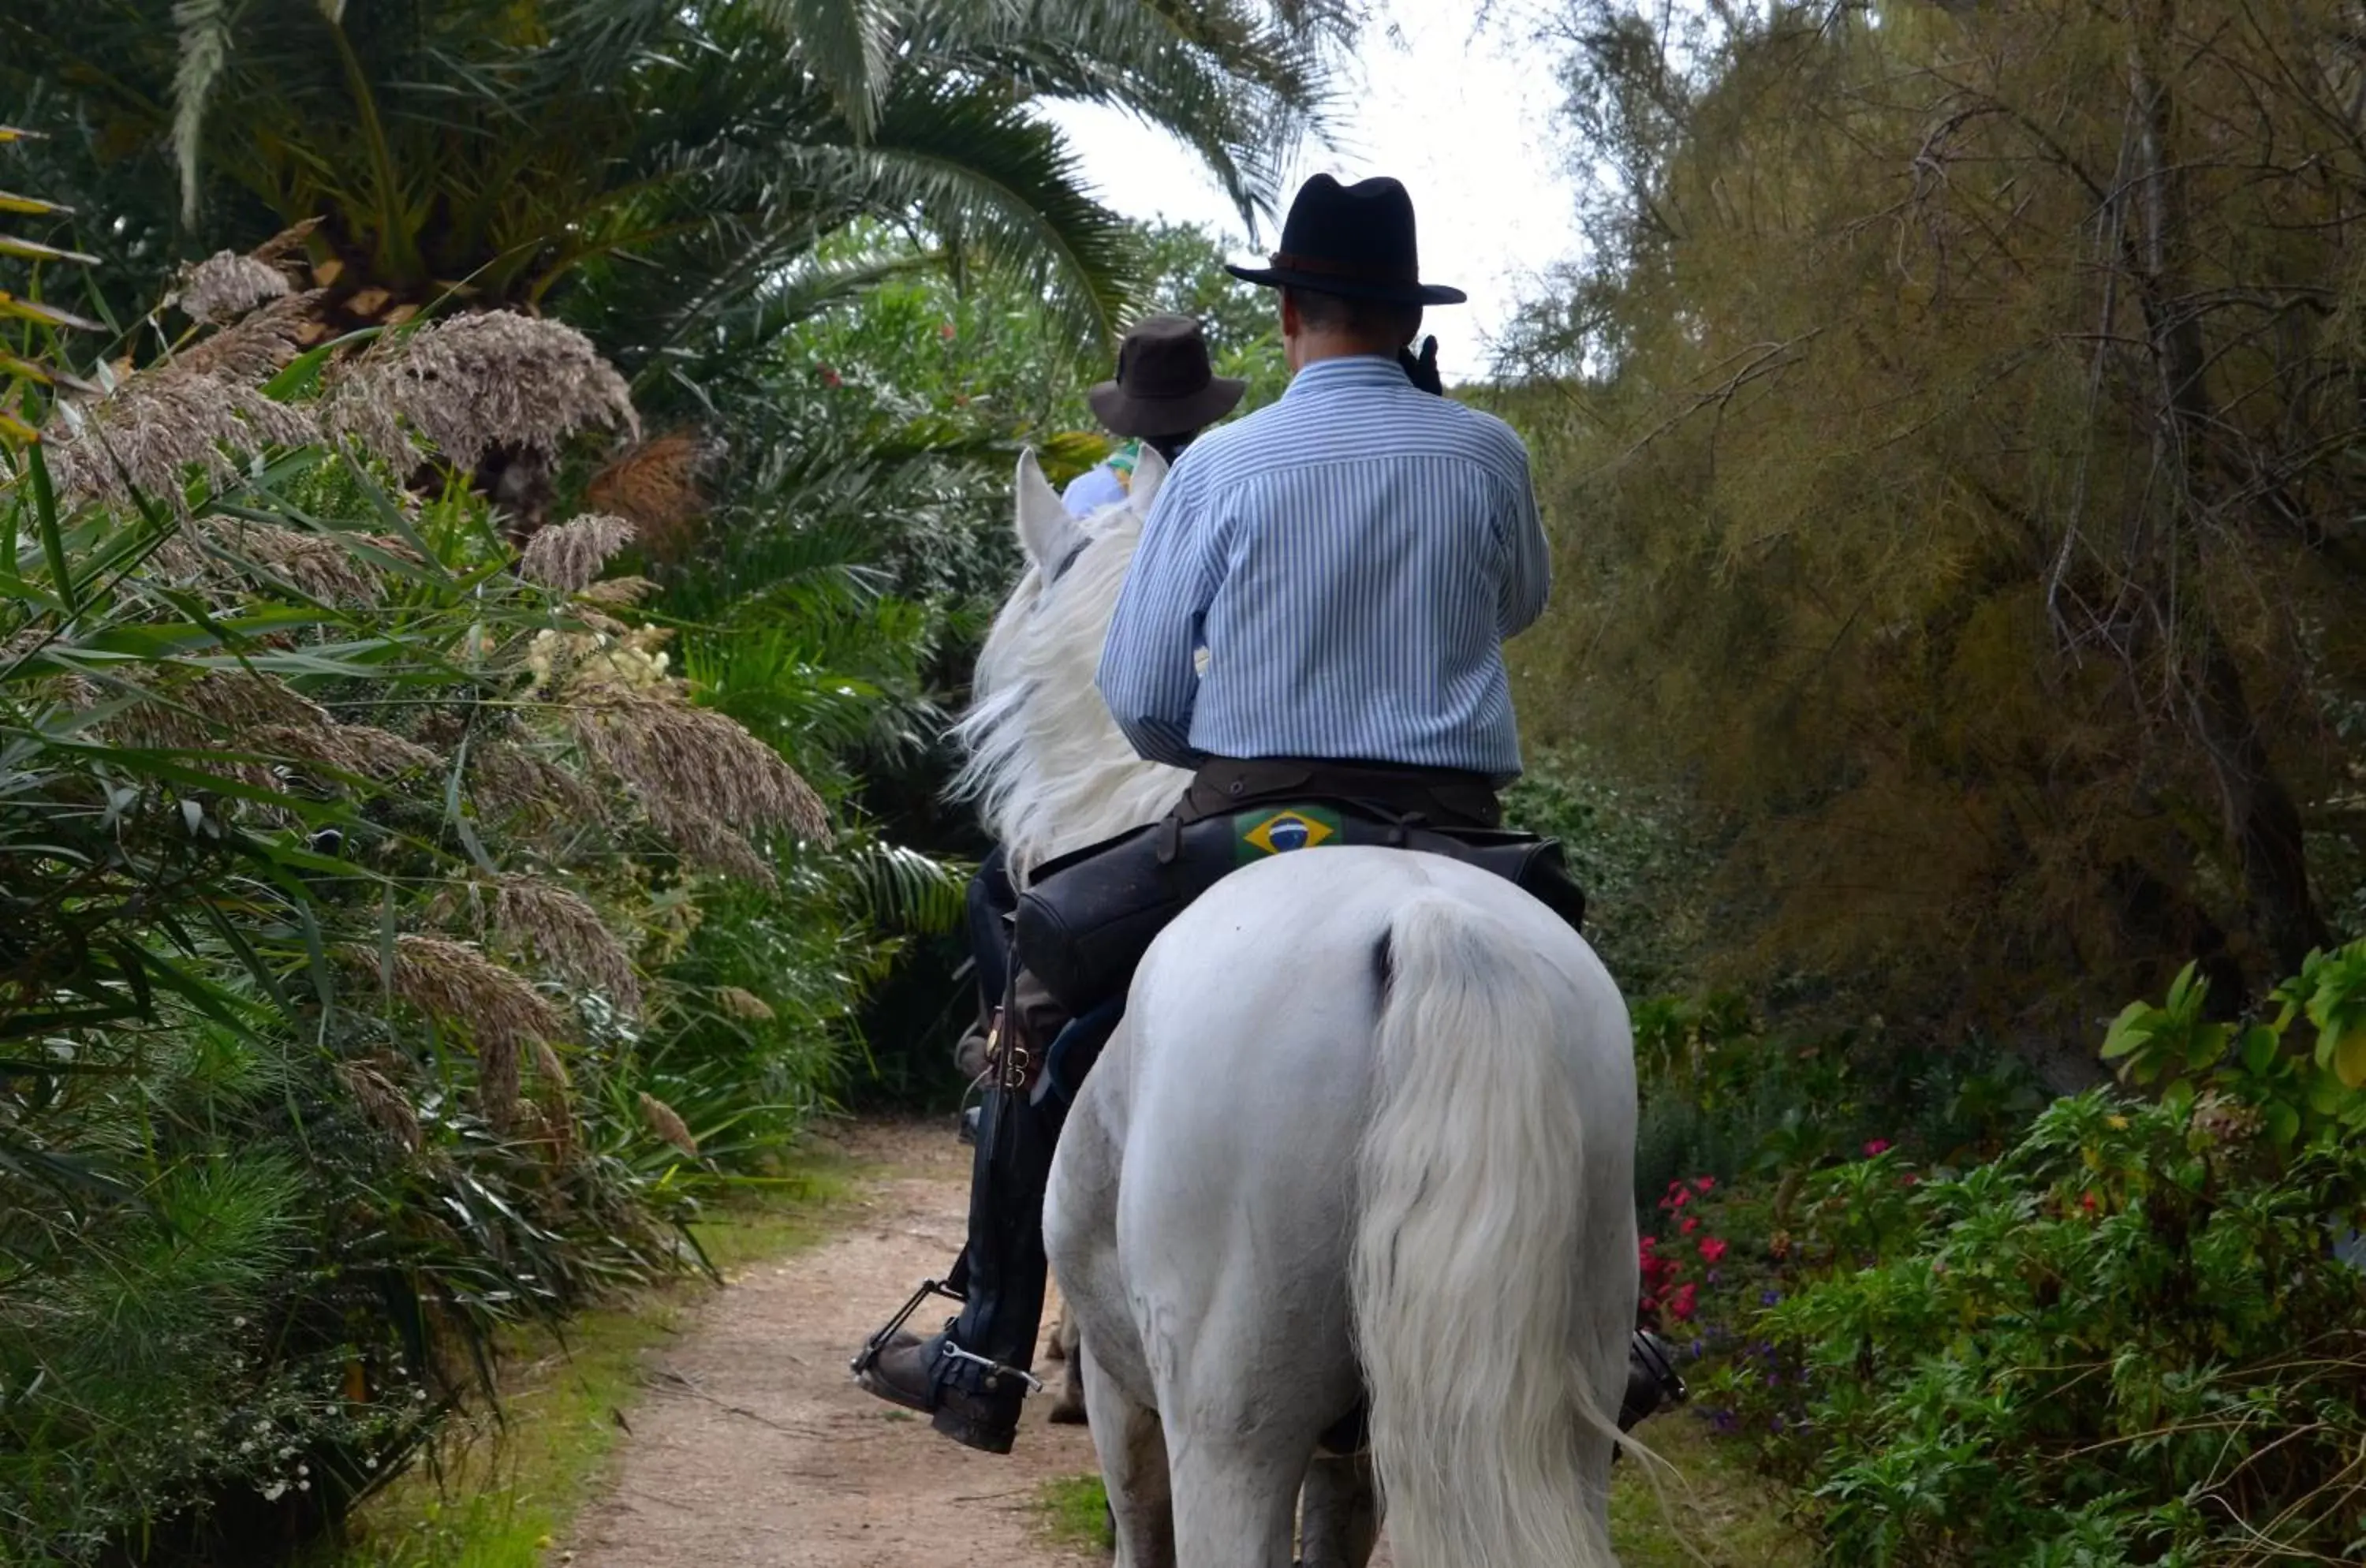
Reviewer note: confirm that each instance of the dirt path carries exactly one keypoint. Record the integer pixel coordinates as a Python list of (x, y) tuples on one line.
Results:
[(753, 1448)]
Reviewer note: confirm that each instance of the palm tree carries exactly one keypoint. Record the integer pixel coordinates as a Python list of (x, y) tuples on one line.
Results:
[(665, 167)]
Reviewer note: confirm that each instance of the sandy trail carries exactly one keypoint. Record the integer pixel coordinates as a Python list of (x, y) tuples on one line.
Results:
[(753, 1446)]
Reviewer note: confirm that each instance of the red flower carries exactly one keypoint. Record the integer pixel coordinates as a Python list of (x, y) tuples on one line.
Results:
[(1704, 1183), (2087, 1202), (1711, 1249), (1690, 1225), (830, 378), (945, 330), (1681, 1197), (1681, 1303), (1648, 1242), (1909, 1180), (1878, 1145)]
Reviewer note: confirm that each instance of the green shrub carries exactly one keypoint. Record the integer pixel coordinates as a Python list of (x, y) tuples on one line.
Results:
[(2131, 1338)]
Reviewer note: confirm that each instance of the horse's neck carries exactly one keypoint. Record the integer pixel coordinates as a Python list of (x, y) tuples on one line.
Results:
[(1076, 782), (1053, 770)]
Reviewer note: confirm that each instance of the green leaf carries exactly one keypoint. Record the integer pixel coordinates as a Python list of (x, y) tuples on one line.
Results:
[(45, 523), (2349, 1057), (2283, 1123), (2131, 1030)]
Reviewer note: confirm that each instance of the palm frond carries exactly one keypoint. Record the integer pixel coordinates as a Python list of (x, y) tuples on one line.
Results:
[(845, 43)]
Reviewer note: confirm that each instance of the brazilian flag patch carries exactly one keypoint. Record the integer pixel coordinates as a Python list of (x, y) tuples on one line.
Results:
[(1258, 834)]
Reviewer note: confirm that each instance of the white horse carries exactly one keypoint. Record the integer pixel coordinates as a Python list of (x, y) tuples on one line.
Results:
[(1364, 1138)]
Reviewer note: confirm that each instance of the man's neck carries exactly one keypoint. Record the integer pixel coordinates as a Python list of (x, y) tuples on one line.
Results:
[(1314, 350)]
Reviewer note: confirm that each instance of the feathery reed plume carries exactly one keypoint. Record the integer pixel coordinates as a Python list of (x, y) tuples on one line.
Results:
[(744, 1004), (711, 843), (184, 716), (512, 779), (688, 763), (568, 555), (655, 485), (454, 982), (358, 748), (145, 437), (256, 348), (471, 383), (668, 1123), (220, 553), (555, 1104), (283, 245), (568, 934), (498, 1082), (618, 592), (226, 286), (381, 1103)]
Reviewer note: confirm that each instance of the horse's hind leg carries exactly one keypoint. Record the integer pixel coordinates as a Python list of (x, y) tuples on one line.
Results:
[(1132, 1452), (1068, 1403), (1339, 1519)]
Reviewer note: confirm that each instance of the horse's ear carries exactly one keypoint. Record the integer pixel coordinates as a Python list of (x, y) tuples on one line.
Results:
[(1046, 532), (1149, 473)]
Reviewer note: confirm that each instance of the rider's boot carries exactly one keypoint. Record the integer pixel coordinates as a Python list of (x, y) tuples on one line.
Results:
[(971, 1378)]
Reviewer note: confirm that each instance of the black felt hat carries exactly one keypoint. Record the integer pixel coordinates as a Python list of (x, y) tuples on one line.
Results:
[(1164, 385), (1355, 241)]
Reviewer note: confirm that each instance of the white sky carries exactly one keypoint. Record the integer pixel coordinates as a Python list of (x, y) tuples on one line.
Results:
[(1465, 121)]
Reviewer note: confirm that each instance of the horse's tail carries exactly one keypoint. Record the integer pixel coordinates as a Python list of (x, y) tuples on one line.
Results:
[(1470, 1251)]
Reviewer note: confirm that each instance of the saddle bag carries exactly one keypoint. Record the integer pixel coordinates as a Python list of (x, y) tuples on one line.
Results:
[(1087, 918)]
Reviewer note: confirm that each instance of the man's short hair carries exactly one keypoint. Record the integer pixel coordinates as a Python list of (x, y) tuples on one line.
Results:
[(1364, 318)]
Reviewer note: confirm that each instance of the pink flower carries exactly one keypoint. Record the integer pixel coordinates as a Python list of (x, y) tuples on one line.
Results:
[(1682, 1302), (1711, 1249), (1879, 1146), (945, 330)]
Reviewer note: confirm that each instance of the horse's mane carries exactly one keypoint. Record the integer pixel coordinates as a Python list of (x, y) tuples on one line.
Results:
[(1048, 766)]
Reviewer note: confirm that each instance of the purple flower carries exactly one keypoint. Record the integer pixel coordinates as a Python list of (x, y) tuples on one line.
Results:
[(1768, 1298), (1723, 1420)]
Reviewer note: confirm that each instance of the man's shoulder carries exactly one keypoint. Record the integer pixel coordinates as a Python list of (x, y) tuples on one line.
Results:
[(1488, 438), (1378, 422)]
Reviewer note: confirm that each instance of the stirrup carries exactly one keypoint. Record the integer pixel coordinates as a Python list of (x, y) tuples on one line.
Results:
[(868, 1357)]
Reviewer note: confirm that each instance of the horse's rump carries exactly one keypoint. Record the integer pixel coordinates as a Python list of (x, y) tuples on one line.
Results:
[(1295, 1102)]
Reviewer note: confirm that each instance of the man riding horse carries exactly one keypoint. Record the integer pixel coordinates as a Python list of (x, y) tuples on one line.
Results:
[(1316, 612)]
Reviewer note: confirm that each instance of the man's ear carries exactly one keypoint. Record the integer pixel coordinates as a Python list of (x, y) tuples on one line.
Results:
[(1046, 532), (1149, 473)]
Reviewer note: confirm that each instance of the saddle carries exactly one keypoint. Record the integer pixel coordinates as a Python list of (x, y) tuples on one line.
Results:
[(1086, 919)]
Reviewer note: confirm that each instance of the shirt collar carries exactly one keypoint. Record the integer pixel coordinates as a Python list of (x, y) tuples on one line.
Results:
[(1349, 371)]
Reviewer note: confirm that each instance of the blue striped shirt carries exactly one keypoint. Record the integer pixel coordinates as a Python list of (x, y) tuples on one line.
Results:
[(1332, 576)]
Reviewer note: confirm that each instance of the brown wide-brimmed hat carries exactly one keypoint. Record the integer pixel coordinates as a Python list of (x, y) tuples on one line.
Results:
[(1164, 384), (1356, 240)]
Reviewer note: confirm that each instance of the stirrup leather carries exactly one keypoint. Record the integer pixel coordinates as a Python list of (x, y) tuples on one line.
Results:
[(868, 1357)]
